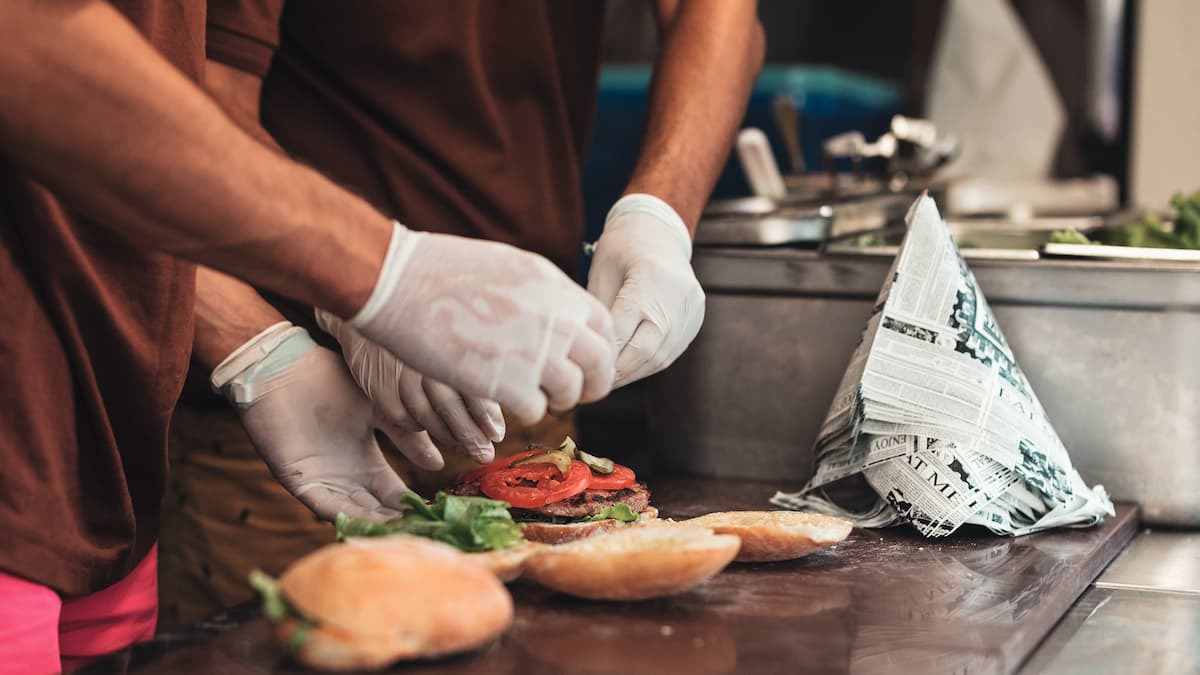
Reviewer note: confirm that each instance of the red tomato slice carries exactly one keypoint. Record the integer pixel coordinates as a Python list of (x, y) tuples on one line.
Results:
[(498, 465), (549, 485), (621, 477)]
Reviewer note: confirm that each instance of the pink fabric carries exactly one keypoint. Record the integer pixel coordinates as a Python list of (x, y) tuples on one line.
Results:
[(43, 633)]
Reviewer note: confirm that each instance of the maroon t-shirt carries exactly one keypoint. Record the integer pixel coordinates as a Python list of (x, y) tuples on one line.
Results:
[(467, 117), (95, 344)]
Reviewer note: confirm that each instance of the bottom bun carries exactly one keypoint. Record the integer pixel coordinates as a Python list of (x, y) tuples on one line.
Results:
[(635, 563), (549, 533), (375, 601), (507, 563), (769, 536)]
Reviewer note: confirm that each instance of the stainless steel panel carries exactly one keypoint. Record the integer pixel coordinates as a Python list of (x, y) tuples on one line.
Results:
[(1109, 347), (1123, 631), (743, 400), (1157, 561), (775, 230)]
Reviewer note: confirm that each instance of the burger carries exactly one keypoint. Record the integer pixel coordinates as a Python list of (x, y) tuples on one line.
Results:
[(561, 494)]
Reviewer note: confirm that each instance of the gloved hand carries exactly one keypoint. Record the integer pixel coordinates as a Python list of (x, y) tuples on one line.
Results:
[(490, 321), (311, 423), (642, 271), (410, 408)]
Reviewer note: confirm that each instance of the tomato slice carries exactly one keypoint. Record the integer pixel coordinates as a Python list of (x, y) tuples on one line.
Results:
[(532, 486), (498, 465), (621, 477)]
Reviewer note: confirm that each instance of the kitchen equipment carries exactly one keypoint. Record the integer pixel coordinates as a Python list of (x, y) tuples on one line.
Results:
[(1109, 346), (758, 162), (787, 120)]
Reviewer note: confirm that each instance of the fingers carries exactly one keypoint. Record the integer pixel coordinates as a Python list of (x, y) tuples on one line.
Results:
[(637, 359), (627, 315), (525, 404), (593, 356), (388, 488), (488, 415), (562, 380), (600, 319), (415, 445), (604, 281), (443, 413)]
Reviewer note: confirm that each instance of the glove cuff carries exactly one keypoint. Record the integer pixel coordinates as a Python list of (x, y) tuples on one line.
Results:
[(404, 241), (651, 205), (235, 377)]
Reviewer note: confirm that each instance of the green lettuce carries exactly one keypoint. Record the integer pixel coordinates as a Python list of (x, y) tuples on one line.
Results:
[(276, 608), (1149, 232), (469, 524), (620, 512)]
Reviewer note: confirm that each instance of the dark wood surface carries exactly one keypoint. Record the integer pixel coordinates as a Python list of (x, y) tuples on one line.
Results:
[(882, 601)]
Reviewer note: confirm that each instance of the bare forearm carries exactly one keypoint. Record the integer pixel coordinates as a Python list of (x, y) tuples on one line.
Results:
[(712, 51), (98, 116), (228, 314)]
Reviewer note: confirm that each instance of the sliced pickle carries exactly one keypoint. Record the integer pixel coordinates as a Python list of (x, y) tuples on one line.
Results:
[(558, 458), (601, 465)]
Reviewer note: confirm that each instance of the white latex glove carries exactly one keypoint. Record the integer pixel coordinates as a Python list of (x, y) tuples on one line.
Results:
[(311, 423), (490, 321), (642, 271), (410, 408)]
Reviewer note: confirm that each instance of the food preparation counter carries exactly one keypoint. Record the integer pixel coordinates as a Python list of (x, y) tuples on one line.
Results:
[(882, 601)]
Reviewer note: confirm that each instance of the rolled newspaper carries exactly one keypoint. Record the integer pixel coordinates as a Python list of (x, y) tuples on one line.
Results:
[(934, 424)]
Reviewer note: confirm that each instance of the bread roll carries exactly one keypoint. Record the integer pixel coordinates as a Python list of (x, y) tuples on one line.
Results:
[(376, 601), (769, 536), (634, 563), (507, 563)]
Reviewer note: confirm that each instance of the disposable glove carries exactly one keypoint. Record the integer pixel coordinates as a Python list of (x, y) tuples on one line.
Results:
[(311, 423), (490, 321), (641, 270), (407, 404)]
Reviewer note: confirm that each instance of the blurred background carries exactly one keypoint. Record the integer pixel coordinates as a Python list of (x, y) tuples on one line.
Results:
[(1071, 108)]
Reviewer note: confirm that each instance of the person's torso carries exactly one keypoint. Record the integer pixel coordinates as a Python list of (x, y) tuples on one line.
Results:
[(95, 347), (467, 117)]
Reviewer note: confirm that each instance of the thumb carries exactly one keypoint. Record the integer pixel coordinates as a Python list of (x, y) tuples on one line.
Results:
[(626, 317)]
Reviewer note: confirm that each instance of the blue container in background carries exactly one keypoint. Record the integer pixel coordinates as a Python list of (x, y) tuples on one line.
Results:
[(829, 101)]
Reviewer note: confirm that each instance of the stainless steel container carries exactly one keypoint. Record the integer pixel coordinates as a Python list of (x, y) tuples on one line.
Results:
[(1111, 347)]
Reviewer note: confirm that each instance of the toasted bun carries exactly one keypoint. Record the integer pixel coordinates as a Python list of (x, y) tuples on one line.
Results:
[(376, 601), (508, 563), (548, 533), (776, 535), (634, 563)]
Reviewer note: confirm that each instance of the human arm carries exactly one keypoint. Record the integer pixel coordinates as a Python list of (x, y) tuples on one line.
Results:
[(91, 110), (229, 314), (711, 52), (97, 115)]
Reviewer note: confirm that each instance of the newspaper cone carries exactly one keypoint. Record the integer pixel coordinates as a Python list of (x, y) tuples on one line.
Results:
[(934, 423)]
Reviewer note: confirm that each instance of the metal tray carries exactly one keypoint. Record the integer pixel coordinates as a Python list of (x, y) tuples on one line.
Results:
[(1120, 252), (802, 229)]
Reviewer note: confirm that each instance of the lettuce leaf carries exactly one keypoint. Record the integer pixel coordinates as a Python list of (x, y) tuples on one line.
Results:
[(470, 524), (275, 607), (620, 512)]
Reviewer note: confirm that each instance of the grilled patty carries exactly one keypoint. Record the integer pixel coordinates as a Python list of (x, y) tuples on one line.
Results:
[(582, 505)]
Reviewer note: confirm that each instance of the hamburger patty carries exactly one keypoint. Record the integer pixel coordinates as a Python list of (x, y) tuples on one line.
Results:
[(582, 505)]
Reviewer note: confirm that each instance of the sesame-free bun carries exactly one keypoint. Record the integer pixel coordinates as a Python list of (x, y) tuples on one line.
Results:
[(376, 601), (507, 563), (769, 536), (634, 563), (550, 533)]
